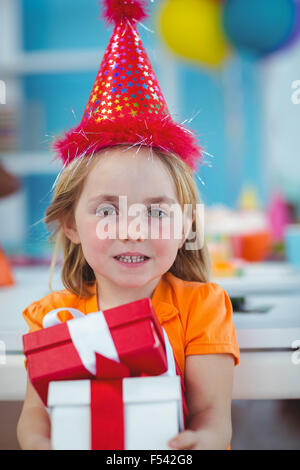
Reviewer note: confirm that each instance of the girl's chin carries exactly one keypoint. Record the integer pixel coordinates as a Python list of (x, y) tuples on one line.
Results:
[(130, 281), (136, 281)]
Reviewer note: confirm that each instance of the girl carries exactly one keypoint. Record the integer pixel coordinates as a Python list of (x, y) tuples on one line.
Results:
[(100, 274), (126, 106)]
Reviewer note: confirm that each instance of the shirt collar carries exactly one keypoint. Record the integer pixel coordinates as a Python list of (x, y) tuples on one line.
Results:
[(162, 299)]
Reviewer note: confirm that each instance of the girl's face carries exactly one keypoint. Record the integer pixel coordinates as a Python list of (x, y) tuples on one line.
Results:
[(140, 179)]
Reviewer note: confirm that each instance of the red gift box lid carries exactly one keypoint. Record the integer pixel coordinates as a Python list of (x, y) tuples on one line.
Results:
[(37, 340), (117, 316), (133, 312)]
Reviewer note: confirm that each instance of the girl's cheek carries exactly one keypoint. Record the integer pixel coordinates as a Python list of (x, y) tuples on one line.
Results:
[(164, 248), (88, 232), (168, 232), (95, 248)]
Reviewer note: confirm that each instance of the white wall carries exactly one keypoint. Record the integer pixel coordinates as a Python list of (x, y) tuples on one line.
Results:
[(282, 121)]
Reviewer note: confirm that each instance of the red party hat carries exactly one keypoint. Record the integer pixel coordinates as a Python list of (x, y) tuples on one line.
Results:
[(126, 105)]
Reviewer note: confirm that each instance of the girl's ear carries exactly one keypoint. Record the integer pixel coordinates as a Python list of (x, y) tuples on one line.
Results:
[(68, 226)]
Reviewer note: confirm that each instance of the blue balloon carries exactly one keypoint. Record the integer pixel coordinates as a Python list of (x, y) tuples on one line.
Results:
[(296, 30), (259, 26)]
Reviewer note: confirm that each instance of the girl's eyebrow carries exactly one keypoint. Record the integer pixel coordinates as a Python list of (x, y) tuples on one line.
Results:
[(102, 197), (113, 198)]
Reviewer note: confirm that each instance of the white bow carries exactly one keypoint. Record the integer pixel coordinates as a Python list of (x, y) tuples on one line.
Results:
[(93, 336)]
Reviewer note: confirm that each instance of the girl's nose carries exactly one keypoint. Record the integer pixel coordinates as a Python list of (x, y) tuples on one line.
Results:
[(133, 228)]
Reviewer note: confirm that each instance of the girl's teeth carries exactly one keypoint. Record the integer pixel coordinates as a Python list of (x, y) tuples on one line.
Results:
[(131, 259)]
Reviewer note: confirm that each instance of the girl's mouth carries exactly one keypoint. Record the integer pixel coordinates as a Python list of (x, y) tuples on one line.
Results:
[(132, 261)]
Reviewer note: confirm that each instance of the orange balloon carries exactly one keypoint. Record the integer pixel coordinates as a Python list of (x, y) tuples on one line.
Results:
[(6, 277)]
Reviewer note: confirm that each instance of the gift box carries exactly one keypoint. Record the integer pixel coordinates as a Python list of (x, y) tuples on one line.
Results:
[(130, 413), (119, 342)]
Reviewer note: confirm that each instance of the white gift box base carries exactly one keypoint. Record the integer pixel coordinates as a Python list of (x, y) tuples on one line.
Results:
[(152, 413)]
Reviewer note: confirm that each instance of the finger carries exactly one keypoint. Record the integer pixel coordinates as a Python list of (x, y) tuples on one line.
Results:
[(42, 444), (184, 440)]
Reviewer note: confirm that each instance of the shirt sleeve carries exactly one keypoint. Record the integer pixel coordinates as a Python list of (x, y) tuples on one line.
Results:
[(33, 315), (35, 312), (210, 328)]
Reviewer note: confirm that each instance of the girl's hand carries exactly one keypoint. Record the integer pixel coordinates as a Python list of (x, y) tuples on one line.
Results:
[(187, 440), (40, 443), (190, 440)]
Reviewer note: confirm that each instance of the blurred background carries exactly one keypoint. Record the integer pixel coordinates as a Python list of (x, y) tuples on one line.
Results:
[(229, 69)]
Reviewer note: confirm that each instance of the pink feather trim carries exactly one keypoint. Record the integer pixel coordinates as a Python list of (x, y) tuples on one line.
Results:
[(166, 135), (115, 11)]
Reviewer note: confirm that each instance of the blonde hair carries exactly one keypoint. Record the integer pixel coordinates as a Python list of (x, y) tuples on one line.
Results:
[(77, 275)]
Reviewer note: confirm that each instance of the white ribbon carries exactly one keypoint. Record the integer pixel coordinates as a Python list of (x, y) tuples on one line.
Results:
[(93, 335), (171, 372), (51, 318), (89, 337)]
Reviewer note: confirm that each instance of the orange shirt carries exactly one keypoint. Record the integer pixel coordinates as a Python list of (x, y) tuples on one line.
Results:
[(197, 316)]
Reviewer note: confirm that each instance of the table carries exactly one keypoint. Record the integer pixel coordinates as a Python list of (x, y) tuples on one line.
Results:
[(270, 363), (274, 278)]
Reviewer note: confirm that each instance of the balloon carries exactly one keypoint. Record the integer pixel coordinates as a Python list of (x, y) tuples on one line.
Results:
[(193, 29), (296, 30), (259, 26)]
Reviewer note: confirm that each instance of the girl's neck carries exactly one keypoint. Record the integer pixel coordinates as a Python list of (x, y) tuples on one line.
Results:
[(110, 295)]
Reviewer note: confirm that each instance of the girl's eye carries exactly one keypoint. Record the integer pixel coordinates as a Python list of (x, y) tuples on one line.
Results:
[(157, 212), (105, 211)]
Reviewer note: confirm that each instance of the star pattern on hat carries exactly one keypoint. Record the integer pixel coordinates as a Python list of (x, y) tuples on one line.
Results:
[(126, 104), (126, 83)]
